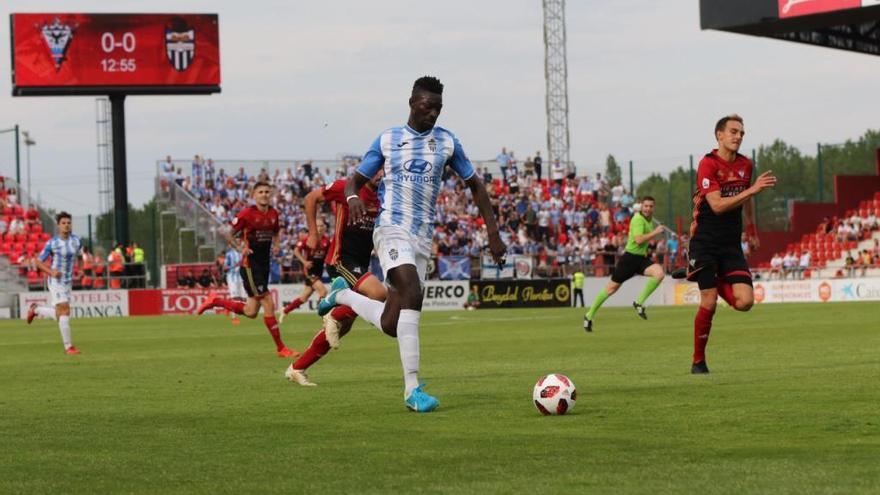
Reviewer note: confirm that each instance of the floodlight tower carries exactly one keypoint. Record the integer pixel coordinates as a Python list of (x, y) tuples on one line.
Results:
[(556, 78)]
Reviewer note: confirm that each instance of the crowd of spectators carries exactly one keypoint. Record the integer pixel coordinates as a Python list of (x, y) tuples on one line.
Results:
[(839, 232), (566, 222)]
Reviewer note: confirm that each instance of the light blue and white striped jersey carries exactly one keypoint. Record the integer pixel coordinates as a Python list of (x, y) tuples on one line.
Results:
[(232, 263), (413, 165), (64, 253)]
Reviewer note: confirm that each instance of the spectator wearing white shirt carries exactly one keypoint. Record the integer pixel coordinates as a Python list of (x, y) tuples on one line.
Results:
[(788, 264), (803, 264), (776, 266), (617, 194), (557, 172)]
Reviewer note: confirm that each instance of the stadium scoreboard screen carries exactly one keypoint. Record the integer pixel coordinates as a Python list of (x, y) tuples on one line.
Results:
[(90, 54)]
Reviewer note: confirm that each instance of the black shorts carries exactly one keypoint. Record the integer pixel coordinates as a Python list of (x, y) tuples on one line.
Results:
[(314, 273), (629, 266), (256, 280), (349, 269), (707, 261)]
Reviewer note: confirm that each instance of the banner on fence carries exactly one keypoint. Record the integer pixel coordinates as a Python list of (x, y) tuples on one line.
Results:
[(490, 269), (83, 303), (454, 267), (523, 293)]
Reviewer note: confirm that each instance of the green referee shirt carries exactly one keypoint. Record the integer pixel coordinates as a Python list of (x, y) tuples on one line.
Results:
[(578, 279), (639, 225)]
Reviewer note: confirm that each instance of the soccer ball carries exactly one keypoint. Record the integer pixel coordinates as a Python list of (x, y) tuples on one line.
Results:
[(554, 394)]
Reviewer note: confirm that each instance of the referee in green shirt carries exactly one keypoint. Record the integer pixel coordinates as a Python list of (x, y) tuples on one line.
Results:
[(642, 228)]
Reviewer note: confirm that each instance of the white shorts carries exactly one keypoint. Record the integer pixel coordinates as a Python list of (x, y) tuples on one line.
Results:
[(395, 247), (60, 293), (236, 288)]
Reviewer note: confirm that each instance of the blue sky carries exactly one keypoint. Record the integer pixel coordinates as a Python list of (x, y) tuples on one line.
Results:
[(645, 84)]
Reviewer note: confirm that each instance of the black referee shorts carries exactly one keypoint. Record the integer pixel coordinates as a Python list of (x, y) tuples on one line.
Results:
[(629, 266), (708, 261), (256, 280), (349, 269)]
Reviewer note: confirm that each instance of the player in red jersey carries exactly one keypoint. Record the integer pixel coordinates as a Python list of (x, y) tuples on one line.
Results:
[(715, 257), (312, 260), (255, 235), (348, 257)]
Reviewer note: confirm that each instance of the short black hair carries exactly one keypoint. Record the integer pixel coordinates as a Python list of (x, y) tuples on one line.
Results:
[(649, 198), (61, 215), (428, 83)]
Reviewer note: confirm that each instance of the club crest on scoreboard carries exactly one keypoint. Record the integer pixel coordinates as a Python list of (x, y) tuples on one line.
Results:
[(57, 37), (180, 44)]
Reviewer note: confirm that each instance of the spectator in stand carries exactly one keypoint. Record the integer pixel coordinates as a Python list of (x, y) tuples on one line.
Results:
[(528, 168), (803, 264), (850, 264), (557, 172), (17, 226), (789, 263), (168, 174), (865, 261), (503, 160), (543, 224), (209, 174), (206, 281), (187, 280), (197, 167), (11, 197), (179, 177), (538, 161), (617, 194), (776, 266)]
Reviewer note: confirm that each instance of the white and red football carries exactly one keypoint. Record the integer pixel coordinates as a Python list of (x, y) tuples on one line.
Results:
[(554, 394)]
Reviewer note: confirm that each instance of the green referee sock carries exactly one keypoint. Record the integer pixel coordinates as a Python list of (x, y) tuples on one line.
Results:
[(650, 285), (597, 303)]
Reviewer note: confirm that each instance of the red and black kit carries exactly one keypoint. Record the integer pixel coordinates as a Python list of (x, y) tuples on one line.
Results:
[(352, 245), (257, 229), (715, 248), (316, 257)]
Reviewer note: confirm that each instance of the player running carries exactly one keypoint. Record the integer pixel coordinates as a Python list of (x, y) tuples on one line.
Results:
[(255, 235), (234, 282), (642, 228), (348, 257), (715, 256), (414, 157), (64, 248), (312, 259)]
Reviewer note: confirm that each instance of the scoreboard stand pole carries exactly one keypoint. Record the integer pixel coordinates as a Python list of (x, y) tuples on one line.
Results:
[(120, 179)]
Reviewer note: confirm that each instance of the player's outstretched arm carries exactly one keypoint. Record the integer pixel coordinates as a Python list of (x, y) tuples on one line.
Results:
[(311, 209), (721, 205), (481, 196), (356, 207)]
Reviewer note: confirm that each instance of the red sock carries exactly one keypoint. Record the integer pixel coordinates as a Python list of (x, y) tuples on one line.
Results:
[(342, 313), (272, 325), (230, 305), (702, 327), (725, 291), (316, 351), (293, 305)]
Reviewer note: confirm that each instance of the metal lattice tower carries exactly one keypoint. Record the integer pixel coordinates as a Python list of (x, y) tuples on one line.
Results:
[(556, 77), (103, 122)]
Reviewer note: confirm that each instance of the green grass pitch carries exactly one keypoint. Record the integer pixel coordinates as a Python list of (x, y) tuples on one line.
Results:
[(195, 405)]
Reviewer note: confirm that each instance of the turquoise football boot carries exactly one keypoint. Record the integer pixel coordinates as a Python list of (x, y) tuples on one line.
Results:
[(328, 303)]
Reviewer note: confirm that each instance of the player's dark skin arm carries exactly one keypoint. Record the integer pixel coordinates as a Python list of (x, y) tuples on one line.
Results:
[(721, 205), (481, 197)]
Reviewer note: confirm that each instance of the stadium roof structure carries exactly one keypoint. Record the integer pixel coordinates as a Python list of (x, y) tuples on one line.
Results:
[(851, 25)]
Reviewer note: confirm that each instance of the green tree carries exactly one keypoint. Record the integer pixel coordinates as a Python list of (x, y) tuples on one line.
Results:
[(612, 171)]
